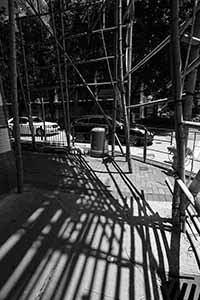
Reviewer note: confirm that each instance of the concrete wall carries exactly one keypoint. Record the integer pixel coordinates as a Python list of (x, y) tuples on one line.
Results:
[(7, 172), (7, 159)]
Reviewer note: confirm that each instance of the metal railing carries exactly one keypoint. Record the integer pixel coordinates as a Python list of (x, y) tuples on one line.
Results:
[(164, 139), (158, 151), (185, 214)]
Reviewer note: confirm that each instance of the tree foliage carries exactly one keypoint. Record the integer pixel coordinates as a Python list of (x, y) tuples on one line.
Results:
[(151, 26)]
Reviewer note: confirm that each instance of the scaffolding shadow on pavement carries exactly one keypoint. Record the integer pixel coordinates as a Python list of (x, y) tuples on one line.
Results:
[(160, 241), (69, 245), (80, 242)]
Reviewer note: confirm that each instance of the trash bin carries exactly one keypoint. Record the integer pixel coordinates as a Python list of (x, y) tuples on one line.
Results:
[(99, 142)]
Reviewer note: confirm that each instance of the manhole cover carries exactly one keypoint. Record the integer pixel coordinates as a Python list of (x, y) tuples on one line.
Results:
[(182, 288)]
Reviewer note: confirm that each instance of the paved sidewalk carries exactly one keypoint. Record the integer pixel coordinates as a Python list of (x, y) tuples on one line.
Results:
[(87, 229)]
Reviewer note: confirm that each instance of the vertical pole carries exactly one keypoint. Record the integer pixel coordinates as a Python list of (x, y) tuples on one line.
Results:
[(28, 89), (192, 162), (145, 146), (114, 114), (13, 77), (68, 126), (130, 3), (122, 89), (104, 17), (59, 71), (43, 118), (171, 137), (142, 100), (176, 79), (191, 78)]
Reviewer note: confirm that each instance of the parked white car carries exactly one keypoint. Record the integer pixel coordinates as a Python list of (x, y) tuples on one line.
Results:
[(40, 127)]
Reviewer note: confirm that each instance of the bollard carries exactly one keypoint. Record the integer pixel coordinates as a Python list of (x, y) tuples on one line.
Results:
[(99, 142)]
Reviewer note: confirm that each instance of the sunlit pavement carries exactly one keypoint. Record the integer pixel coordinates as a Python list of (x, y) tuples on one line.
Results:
[(156, 153), (87, 229)]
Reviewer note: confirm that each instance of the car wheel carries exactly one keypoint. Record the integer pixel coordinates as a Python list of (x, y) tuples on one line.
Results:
[(39, 132), (133, 140)]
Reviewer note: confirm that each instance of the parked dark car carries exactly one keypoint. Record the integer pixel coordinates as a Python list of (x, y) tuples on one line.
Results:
[(82, 126)]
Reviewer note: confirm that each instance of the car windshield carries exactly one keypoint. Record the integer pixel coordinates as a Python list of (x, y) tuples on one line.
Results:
[(82, 120), (23, 120), (36, 119)]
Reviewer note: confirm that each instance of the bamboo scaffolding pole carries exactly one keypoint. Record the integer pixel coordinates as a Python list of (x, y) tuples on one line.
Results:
[(115, 82), (191, 124), (28, 106), (2, 86), (129, 53), (75, 68), (192, 66), (183, 27), (190, 42), (66, 77), (95, 60), (150, 103), (190, 80), (177, 212), (107, 61), (101, 10), (22, 88), (114, 91), (13, 75), (71, 85), (104, 16), (176, 59), (69, 36), (42, 14), (160, 46), (65, 115), (107, 29), (122, 89), (129, 67)]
